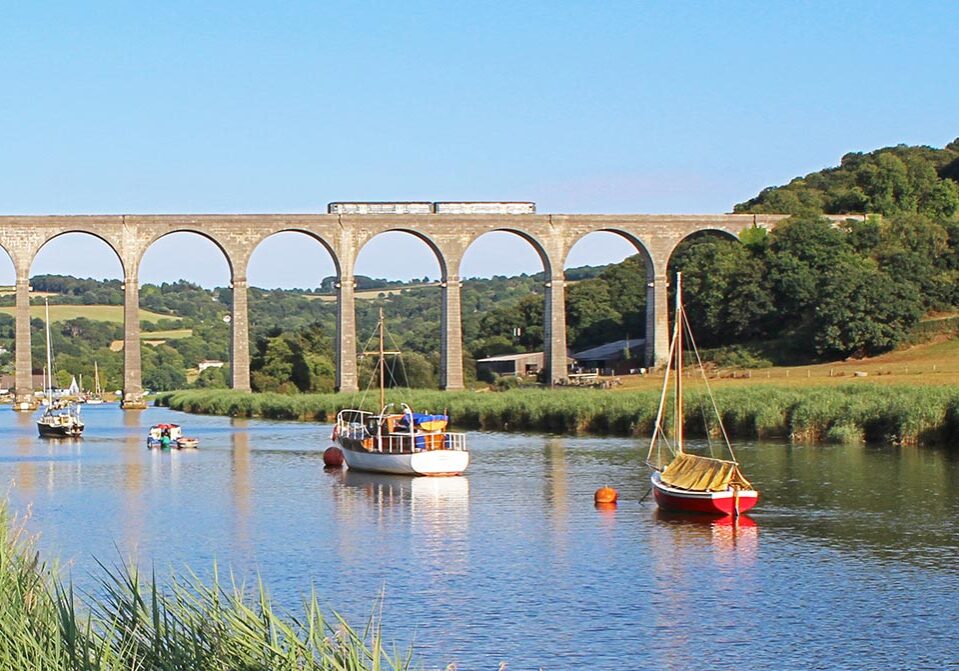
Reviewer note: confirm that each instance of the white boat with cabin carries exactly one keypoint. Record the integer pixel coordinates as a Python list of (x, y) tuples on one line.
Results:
[(398, 440)]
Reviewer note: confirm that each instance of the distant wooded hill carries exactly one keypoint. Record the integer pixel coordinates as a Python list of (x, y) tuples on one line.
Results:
[(889, 181)]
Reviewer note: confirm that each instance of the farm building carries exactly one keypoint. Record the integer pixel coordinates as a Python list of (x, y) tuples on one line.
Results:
[(613, 358), (527, 363)]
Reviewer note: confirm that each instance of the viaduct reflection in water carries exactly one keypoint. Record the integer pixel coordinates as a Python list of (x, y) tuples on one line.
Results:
[(242, 481), (133, 480), (556, 491)]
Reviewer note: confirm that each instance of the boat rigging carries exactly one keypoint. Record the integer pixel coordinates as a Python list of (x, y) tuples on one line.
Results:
[(690, 482)]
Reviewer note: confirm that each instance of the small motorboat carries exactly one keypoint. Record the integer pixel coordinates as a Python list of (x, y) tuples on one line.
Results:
[(169, 436), (60, 420)]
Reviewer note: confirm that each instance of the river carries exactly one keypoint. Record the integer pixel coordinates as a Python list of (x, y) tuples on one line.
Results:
[(850, 560)]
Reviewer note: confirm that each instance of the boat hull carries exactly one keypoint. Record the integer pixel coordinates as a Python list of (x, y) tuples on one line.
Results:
[(427, 462), (180, 444), (59, 431), (728, 502)]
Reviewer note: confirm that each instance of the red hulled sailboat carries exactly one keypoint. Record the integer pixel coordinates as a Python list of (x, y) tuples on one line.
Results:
[(684, 482)]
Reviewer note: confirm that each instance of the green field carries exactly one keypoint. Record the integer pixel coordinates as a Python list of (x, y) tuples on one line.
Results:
[(929, 364), (171, 334), (103, 313)]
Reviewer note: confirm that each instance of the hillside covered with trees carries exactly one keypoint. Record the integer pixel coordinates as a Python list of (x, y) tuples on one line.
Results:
[(813, 290)]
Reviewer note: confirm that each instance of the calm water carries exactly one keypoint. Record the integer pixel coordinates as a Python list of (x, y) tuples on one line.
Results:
[(852, 560)]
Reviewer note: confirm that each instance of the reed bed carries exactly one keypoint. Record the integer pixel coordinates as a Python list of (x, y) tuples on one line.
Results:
[(905, 414), (134, 624)]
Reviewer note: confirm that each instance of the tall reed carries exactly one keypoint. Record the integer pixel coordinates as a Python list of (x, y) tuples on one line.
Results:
[(902, 414), (131, 623)]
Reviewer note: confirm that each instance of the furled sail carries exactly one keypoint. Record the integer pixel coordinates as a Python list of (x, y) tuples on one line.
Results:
[(703, 474)]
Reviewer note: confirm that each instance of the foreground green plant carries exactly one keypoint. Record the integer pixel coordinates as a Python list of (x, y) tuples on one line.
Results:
[(902, 415), (193, 625)]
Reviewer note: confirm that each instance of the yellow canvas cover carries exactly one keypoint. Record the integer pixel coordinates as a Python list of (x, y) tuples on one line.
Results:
[(703, 474), (433, 425)]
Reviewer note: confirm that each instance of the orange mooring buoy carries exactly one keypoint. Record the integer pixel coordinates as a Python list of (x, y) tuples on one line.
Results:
[(605, 495), (333, 457)]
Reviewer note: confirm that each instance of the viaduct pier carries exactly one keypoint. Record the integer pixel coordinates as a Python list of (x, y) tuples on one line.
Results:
[(448, 229)]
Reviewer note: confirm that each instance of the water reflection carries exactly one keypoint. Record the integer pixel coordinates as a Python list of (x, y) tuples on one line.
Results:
[(133, 419), (437, 499), (555, 483), (134, 494), (436, 510), (727, 536), (25, 474), (242, 487)]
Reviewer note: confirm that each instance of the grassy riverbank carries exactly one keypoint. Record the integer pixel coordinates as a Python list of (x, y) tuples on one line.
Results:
[(134, 624), (900, 414)]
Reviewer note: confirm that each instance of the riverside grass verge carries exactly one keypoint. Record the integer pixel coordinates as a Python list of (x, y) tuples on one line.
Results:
[(896, 414), (190, 626)]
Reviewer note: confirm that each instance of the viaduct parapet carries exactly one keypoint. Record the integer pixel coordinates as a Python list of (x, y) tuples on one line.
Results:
[(448, 229)]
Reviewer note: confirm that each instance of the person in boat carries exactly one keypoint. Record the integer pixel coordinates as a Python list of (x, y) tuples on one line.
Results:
[(165, 439)]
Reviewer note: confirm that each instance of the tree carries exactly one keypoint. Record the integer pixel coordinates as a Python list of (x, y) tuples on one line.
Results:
[(726, 295), (164, 377), (889, 181), (863, 310), (272, 366), (802, 250), (591, 318), (411, 370), (627, 292), (212, 378), (911, 250)]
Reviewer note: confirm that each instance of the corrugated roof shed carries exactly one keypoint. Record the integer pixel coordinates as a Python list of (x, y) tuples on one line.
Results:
[(611, 350)]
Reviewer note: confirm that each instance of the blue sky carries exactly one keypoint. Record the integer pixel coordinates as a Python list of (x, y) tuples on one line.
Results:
[(125, 107)]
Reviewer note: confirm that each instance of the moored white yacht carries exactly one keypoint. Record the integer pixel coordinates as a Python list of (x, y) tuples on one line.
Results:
[(398, 440)]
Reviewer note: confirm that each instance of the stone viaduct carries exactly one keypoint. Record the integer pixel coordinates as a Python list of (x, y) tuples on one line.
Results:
[(447, 228)]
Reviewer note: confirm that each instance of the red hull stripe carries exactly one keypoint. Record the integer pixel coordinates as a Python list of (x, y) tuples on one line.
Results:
[(713, 503)]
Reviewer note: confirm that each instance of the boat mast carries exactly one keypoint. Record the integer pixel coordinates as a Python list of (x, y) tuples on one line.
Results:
[(49, 385), (382, 366), (679, 362), (96, 379)]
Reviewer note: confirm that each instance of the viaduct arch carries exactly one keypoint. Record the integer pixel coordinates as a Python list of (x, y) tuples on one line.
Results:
[(343, 232)]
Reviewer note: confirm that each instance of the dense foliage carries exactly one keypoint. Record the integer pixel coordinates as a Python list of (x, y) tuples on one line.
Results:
[(888, 181), (815, 289)]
